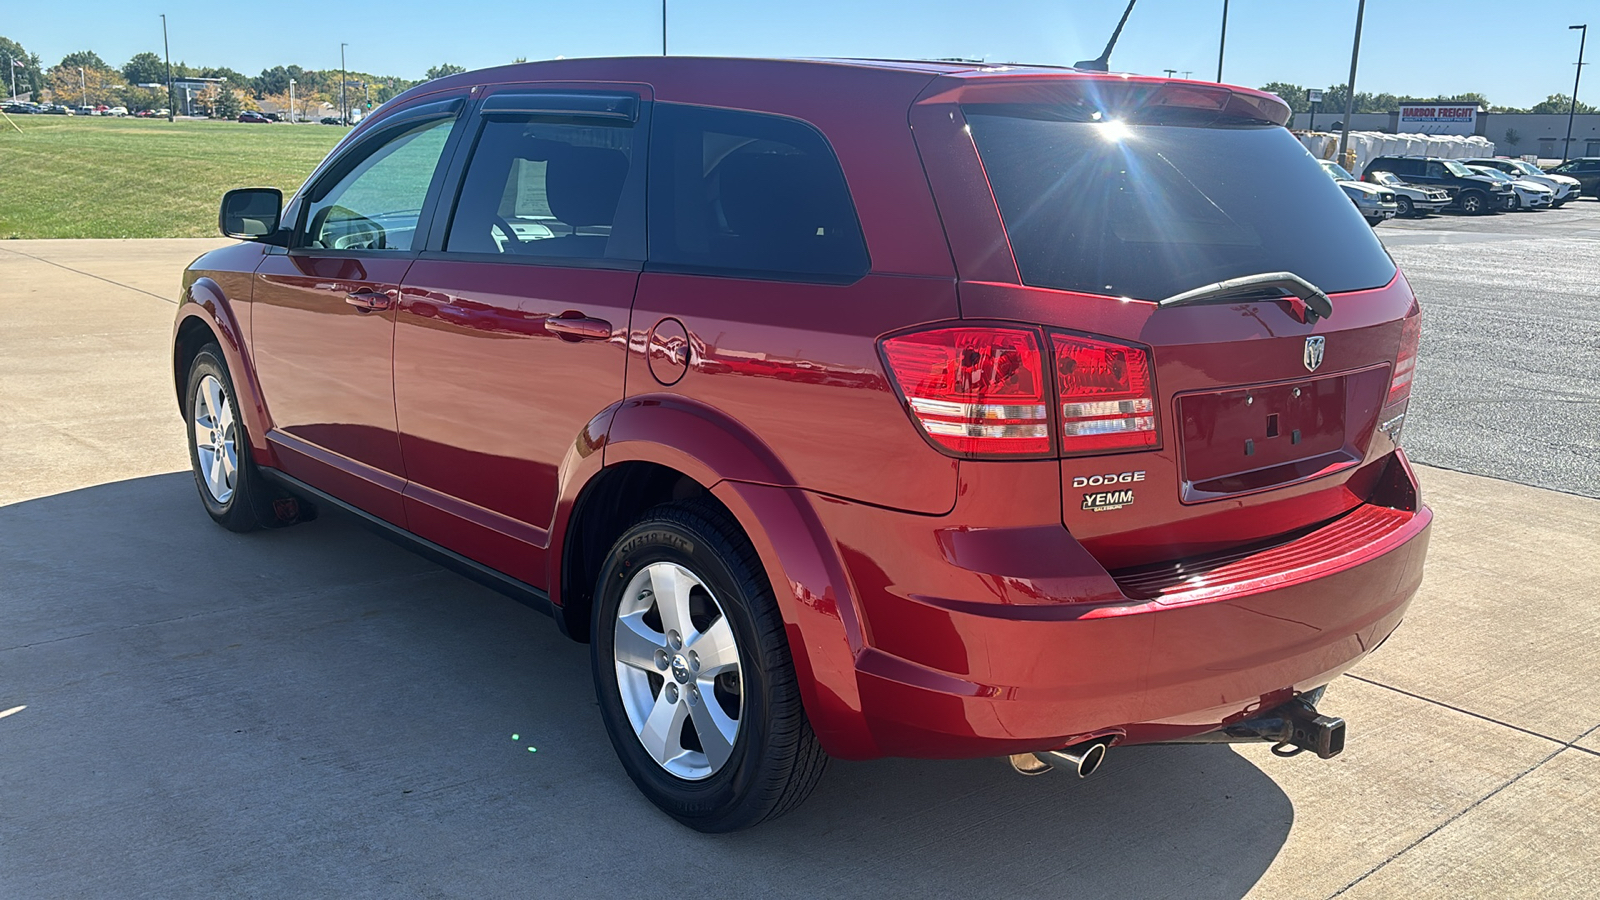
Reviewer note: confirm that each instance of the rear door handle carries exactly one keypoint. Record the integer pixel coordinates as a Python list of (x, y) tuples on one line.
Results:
[(579, 328), (369, 301)]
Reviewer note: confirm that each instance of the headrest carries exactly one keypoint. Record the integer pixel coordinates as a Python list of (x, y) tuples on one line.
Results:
[(777, 195), (584, 184)]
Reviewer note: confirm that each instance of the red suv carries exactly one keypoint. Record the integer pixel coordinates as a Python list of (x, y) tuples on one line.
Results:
[(846, 408)]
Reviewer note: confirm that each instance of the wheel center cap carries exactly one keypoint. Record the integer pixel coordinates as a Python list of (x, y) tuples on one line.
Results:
[(680, 669)]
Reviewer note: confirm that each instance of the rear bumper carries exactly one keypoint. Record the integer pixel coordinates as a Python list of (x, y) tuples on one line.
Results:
[(1155, 654)]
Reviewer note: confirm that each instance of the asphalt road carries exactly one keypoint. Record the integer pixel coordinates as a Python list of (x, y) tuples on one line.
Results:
[(1508, 381)]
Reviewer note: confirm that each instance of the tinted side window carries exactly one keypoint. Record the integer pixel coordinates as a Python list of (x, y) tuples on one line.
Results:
[(542, 188), (745, 193), (376, 203)]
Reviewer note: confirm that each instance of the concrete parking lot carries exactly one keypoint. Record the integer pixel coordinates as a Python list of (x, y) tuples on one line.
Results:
[(313, 712)]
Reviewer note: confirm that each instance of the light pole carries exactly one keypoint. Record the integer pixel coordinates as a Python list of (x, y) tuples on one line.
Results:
[(83, 87), (172, 99), (11, 64), (1350, 92), (291, 101), (1583, 36), (663, 27), (1222, 42), (344, 108)]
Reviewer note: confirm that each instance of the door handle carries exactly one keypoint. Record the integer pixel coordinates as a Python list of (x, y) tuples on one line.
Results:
[(579, 328), (369, 301)]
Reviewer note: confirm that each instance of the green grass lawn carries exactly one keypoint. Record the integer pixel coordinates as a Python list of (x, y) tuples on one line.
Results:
[(69, 177)]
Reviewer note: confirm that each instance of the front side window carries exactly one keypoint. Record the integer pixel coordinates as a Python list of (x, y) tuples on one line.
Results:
[(542, 188), (748, 194), (375, 204)]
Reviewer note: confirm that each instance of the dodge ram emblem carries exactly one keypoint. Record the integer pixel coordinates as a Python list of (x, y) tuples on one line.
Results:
[(1313, 357)]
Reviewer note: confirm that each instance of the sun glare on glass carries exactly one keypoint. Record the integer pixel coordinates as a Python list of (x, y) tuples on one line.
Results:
[(1114, 130)]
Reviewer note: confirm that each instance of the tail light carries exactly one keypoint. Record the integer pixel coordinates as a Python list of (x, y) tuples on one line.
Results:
[(983, 391), (975, 391), (1405, 363), (1108, 397)]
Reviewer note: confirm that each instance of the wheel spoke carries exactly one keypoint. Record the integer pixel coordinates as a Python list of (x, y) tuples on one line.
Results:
[(715, 729), (214, 475), (202, 432), (671, 586), (636, 643), (230, 462), (716, 648), (662, 734), (225, 420), (211, 389)]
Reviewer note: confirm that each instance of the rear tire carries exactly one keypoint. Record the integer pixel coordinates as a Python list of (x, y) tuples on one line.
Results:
[(693, 673)]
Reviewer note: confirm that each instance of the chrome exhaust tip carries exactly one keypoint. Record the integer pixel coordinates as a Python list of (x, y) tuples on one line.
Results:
[(1084, 758)]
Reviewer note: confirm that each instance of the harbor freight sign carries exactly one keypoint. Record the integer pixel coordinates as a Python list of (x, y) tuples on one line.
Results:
[(1439, 118)]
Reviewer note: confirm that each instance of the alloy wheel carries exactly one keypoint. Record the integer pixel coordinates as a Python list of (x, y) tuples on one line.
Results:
[(215, 438), (678, 671)]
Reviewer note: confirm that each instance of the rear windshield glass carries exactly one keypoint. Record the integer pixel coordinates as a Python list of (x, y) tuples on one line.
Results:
[(1150, 210)]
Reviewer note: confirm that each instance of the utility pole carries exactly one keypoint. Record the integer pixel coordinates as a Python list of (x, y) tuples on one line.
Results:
[(663, 27), (291, 101), (1350, 92), (344, 108), (1170, 72), (172, 99), (11, 64), (83, 87), (1583, 36), (1222, 42)]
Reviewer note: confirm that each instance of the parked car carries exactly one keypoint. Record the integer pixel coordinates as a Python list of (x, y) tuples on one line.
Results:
[(1410, 200), (1524, 194), (118, 111), (254, 118), (732, 425), (1565, 188), (1586, 170), (1375, 203), (1470, 192), (332, 120), (53, 110)]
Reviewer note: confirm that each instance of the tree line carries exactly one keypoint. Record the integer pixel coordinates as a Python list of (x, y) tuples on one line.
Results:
[(128, 85), (1333, 101)]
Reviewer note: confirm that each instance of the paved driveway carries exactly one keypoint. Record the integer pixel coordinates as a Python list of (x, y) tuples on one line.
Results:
[(313, 712)]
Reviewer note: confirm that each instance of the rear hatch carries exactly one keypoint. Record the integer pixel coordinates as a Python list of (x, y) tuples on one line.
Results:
[(1258, 418)]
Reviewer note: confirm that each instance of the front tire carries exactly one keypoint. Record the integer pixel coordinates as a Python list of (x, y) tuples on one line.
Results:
[(693, 673), (1406, 209), (231, 488), (1474, 203)]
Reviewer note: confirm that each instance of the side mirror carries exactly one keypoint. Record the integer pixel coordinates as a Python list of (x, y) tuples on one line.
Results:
[(251, 214)]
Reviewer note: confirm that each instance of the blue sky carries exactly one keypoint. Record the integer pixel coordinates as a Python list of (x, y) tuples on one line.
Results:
[(1515, 53)]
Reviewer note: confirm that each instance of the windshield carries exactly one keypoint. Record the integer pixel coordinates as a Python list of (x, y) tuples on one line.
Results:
[(1388, 178), (1525, 167), (1337, 171), (1149, 210), (1494, 174), (1457, 169)]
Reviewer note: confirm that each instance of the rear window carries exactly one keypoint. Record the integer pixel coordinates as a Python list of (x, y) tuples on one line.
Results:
[(1150, 210)]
